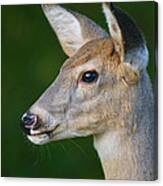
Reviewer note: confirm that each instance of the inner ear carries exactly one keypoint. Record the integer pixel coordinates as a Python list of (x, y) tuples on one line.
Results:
[(114, 29), (72, 29), (127, 37)]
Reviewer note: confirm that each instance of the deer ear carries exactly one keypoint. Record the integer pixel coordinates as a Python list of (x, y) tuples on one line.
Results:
[(114, 28), (72, 29), (127, 38)]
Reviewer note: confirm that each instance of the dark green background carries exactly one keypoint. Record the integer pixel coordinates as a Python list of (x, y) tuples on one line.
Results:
[(31, 59)]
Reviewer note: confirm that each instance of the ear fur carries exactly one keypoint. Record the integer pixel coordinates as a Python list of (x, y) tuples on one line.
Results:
[(114, 29), (127, 37), (72, 29)]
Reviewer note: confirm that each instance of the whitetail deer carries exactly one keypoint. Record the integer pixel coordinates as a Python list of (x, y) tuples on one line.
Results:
[(103, 90)]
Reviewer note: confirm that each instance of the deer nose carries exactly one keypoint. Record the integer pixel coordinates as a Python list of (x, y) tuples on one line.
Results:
[(29, 121)]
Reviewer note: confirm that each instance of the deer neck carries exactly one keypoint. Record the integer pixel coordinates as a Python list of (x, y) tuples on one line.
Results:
[(124, 156), (129, 152)]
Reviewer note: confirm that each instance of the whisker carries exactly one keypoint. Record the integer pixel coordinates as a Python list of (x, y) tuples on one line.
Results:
[(48, 152), (63, 147), (33, 149), (43, 153), (79, 147)]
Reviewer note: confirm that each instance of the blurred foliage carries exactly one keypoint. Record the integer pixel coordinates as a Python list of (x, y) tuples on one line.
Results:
[(31, 59)]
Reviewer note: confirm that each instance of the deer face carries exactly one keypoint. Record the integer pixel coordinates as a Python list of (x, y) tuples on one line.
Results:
[(81, 101), (74, 104)]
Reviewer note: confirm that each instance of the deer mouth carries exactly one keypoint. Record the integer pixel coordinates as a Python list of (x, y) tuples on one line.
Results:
[(39, 139), (39, 132), (42, 136)]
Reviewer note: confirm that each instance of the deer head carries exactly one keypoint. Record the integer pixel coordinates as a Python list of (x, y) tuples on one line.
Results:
[(88, 94)]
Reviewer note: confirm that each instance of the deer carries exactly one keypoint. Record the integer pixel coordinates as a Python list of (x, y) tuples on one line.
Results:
[(103, 89)]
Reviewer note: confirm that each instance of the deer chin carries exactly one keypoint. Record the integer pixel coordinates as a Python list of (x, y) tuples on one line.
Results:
[(42, 136), (56, 133), (60, 133), (39, 139)]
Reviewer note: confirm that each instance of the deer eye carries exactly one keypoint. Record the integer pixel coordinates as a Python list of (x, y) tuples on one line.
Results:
[(89, 76)]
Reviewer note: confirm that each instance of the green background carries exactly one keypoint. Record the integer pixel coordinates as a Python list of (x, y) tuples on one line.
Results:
[(31, 59)]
